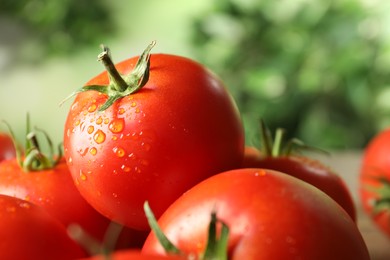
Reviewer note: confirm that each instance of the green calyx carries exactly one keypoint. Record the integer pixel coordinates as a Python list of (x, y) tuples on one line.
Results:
[(216, 248), (276, 146), (32, 158), (382, 203), (120, 85)]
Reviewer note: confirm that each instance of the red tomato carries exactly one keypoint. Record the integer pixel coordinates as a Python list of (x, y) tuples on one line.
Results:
[(43, 180), (7, 149), (133, 255), (179, 128), (271, 215), (278, 155), (309, 170), (29, 232), (375, 180)]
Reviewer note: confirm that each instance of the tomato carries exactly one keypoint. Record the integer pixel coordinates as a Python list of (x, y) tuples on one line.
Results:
[(132, 255), (375, 180), (271, 215), (7, 149), (28, 232), (45, 180), (280, 158), (153, 144)]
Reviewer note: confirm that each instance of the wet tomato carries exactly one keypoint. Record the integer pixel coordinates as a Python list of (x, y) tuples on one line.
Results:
[(270, 215), (44, 179), (173, 125), (283, 157), (27, 231)]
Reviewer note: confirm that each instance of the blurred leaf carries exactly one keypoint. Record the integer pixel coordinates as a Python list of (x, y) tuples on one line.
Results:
[(315, 68)]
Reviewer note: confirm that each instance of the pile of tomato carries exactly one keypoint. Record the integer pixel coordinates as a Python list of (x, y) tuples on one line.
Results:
[(154, 166)]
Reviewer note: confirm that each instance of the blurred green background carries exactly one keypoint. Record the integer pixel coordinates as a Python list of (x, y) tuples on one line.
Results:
[(318, 68)]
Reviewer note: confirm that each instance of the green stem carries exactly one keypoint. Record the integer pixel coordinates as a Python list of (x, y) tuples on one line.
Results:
[(105, 58), (277, 146)]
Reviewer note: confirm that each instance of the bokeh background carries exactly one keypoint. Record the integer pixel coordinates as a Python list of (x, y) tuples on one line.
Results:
[(318, 68)]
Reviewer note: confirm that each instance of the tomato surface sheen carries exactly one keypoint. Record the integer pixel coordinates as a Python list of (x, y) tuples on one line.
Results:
[(271, 215), (180, 128)]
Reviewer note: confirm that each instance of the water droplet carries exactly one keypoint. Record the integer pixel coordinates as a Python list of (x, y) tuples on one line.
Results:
[(117, 125), (90, 129), (137, 110), (77, 123), (99, 137), (119, 151), (93, 151), (125, 168), (83, 177), (121, 111), (92, 108), (115, 195), (133, 104), (114, 137), (106, 120), (70, 161), (99, 121)]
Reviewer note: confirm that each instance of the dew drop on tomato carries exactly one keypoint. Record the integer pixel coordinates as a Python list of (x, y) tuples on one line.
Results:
[(93, 151), (117, 125), (83, 177), (90, 129), (92, 108), (99, 137), (120, 152)]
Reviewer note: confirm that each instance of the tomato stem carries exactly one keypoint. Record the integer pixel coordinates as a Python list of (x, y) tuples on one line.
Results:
[(120, 85), (168, 246), (105, 58)]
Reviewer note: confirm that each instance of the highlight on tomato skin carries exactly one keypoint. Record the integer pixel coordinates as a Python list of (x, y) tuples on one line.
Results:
[(179, 128), (285, 156), (27, 231), (271, 215)]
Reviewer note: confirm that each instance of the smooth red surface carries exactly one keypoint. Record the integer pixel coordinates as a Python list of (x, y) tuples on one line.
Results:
[(179, 129), (306, 169), (271, 215), (29, 232), (55, 191)]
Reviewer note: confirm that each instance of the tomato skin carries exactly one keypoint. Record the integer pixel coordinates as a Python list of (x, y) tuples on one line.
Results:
[(133, 255), (28, 232), (271, 215), (306, 169), (180, 128), (54, 190), (375, 165), (7, 149)]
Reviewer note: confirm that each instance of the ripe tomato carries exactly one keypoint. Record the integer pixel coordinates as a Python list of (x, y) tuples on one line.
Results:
[(179, 128), (7, 149), (277, 157), (133, 255), (28, 232), (45, 180), (375, 180), (271, 215)]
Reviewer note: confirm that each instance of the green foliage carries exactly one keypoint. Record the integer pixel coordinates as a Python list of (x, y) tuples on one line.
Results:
[(59, 27), (318, 68)]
